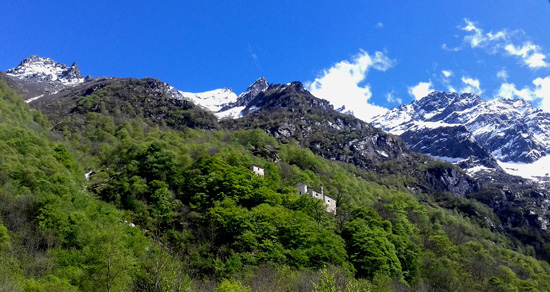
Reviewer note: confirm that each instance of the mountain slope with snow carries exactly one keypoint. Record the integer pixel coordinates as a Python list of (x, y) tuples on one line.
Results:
[(212, 100), (511, 130), (224, 103)]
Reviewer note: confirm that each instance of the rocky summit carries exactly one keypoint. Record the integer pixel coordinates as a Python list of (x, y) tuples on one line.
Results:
[(46, 74)]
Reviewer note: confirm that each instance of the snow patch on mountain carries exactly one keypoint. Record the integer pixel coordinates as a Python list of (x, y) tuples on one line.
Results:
[(537, 170), (478, 169), (213, 100), (33, 98), (419, 125), (232, 113), (449, 159)]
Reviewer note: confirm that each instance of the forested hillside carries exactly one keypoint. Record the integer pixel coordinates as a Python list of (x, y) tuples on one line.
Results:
[(121, 202)]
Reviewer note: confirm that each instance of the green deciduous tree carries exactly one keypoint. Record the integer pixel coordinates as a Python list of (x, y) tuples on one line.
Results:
[(368, 245)]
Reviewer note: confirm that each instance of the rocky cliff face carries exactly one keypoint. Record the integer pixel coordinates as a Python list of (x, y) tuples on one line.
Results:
[(517, 204), (246, 97), (446, 179), (450, 143), (291, 96)]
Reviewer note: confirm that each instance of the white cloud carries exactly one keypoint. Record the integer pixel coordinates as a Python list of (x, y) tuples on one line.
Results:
[(369, 111), (508, 43), (380, 25), (503, 74), (540, 93), (479, 39), (471, 85), (529, 54), (422, 89), (392, 99), (446, 48), (253, 56), (509, 90), (342, 83), (446, 81), (476, 38)]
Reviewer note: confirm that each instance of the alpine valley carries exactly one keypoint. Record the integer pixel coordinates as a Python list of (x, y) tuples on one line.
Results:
[(123, 184)]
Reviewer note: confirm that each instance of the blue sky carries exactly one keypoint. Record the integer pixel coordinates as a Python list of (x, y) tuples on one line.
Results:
[(367, 55)]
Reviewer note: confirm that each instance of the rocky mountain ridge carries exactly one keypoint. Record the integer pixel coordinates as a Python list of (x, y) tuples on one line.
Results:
[(122, 99)]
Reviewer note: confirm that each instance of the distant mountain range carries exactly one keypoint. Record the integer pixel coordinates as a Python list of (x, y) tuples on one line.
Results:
[(479, 135)]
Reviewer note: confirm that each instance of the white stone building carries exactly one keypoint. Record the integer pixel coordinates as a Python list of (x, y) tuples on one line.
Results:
[(330, 203), (257, 170)]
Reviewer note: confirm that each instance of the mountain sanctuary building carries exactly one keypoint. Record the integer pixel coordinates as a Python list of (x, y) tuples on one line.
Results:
[(257, 170), (330, 203)]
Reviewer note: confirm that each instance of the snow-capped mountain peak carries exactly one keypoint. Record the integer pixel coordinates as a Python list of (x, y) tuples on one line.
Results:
[(46, 70)]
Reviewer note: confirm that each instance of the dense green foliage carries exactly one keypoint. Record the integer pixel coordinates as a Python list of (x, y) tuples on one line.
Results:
[(59, 238), (167, 210)]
